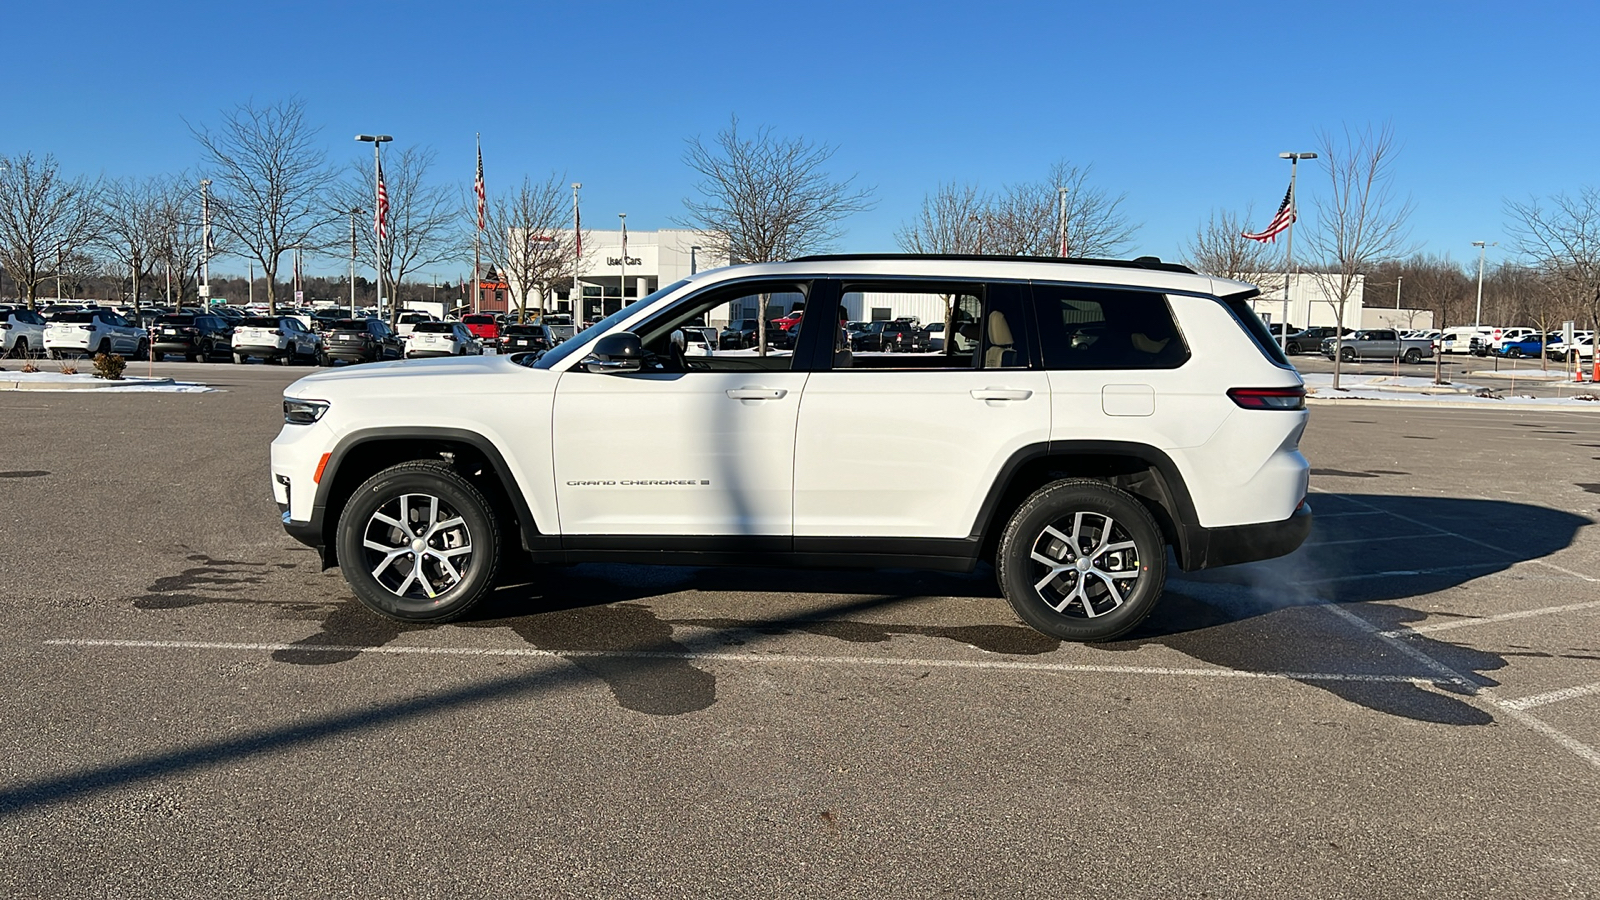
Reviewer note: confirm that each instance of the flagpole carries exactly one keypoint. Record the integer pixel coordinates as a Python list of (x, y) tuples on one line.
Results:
[(1288, 250), (477, 264)]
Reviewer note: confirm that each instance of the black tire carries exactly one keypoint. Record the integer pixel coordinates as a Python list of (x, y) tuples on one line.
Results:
[(458, 498), (1348, 354), (1514, 353), (19, 350), (142, 351), (286, 358), (324, 360), (1413, 356), (105, 347), (1083, 506)]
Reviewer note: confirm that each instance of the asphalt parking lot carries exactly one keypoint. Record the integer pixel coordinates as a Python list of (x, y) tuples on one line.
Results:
[(1408, 706)]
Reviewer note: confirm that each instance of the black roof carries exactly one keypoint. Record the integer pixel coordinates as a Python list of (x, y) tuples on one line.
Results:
[(1141, 262)]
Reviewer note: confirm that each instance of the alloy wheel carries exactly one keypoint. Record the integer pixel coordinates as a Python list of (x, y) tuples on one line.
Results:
[(417, 546), (1089, 566)]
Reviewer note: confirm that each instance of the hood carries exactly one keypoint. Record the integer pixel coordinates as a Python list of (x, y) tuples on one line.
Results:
[(412, 375)]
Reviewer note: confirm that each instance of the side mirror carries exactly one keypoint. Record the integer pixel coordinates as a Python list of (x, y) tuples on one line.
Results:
[(615, 354)]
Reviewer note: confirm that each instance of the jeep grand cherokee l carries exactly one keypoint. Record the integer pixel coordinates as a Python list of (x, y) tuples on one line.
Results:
[(1096, 414)]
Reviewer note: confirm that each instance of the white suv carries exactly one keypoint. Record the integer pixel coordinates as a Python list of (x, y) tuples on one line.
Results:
[(441, 339), (282, 338), (21, 332), (1082, 418), (93, 331)]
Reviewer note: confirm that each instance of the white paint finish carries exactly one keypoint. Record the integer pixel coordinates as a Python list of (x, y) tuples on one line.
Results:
[(623, 429), (1128, 400), (908, 453)]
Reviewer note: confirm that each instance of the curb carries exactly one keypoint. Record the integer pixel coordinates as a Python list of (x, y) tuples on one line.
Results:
[(14, 384), (1456, 404)]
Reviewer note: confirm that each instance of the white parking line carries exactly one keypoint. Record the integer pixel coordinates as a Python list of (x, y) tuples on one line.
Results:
[(1549, 697), (750, 658), (1487, 620), (1576, 747), (1376, 540)]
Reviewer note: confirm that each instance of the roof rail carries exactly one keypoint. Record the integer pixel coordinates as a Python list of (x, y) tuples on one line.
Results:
[(1141, 262)]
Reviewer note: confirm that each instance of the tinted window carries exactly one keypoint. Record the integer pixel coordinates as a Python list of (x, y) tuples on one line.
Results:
[(1100, 328), (76, 317), (260, 322), (478, 320), (175, 320), (434, 328)]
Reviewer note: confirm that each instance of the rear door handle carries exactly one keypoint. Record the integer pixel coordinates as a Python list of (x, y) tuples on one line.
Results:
[(757, 393), (1001, 394)]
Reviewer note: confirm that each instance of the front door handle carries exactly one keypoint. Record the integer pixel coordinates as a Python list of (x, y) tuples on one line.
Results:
[(1001, 394), (757, 393)]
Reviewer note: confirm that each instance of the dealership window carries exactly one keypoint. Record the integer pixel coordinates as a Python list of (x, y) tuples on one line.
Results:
[(979, 326), (1102, 328)]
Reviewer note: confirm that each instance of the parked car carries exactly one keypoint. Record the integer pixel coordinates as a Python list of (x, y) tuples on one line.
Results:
[(903, 335), (1582, 347), (1106, 418), (195, 337), (22, 331), (1378, 343), (484, 327), (1525, 345), (90, 332), (934, 336), (361, 340), (409, 320), (1309, 340), (525, 339), (283, 339), (441, 339), (1459, 339), (739, 335)]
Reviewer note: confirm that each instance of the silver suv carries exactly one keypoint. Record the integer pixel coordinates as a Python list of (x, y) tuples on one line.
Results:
[(1080, 418)]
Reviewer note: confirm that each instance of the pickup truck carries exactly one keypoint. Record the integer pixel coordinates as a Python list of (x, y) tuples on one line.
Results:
[(1379, 343)]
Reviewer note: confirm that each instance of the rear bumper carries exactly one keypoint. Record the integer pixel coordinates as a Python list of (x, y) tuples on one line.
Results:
[(1209, 548)]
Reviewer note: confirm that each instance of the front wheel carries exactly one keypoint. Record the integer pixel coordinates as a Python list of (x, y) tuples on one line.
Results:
[(419, 543), (1082, 561)]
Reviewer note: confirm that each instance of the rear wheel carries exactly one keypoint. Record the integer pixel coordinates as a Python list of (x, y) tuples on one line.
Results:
[(1082, 561), (142, 351), (1514, 353), (19, 350), (1413, 356), (1348, 354), (287, 357), (419, 543)]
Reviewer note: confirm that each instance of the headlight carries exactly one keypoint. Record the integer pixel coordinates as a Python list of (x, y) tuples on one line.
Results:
[(303, 412)]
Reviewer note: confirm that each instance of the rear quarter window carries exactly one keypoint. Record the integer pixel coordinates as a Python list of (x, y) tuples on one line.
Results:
[(1102, 328), (1239, 305)]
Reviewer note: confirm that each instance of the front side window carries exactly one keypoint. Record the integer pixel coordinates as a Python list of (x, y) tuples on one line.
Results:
[(684, 338), (1103, 328)]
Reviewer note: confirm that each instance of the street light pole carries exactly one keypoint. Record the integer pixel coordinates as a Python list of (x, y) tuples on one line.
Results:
[(1398, 280), (1061, 238), (693, 268), (622, 289), (354, 211), (1288, 250), (575, 299), (205, 241), (1477, 318), (377, 141)]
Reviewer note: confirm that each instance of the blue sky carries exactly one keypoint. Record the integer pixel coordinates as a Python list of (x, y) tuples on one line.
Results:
[(1181, 106)]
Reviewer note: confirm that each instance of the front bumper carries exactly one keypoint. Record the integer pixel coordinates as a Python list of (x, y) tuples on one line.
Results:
[(1208, 548)]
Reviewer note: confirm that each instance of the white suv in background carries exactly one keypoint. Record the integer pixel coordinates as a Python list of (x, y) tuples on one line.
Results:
[(22, 331), (93, 331), (284, 339), (441, 339), (1089, 417)]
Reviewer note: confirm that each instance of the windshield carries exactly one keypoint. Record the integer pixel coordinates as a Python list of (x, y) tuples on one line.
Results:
[(434, 328), (571, 345)]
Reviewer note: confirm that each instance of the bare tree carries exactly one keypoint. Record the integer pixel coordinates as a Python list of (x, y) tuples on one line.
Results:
[(422, 226), (1562, 241), (527, 236), (45, 220), (271, 180), (766, 198), (950, 221), (1220, 248), (1360, 220), (131, 232), (1025, 220)]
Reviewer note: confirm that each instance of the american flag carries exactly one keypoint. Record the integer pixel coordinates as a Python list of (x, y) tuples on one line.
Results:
[(1280, 222), (477, 187), (382, 215)]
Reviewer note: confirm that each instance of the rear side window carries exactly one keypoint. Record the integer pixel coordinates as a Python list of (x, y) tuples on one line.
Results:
[(1100, 328), (1239, 305)]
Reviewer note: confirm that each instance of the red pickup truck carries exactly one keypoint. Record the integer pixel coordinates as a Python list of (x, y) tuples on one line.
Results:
[(483, 327)]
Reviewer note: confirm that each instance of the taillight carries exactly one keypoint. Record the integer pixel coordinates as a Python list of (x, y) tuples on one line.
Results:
[(191, 331), (1269, 398), (275, 332), (85, 327)]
